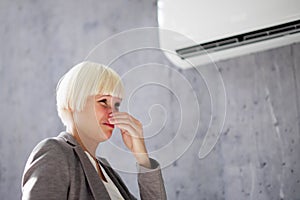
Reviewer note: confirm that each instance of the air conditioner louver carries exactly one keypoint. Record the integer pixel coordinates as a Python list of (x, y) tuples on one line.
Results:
[(241, 39)]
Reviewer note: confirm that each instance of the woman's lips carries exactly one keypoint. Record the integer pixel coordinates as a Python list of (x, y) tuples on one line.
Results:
[(109, 125)]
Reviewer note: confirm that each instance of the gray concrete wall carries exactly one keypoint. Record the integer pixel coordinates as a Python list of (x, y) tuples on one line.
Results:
[(257, 155)]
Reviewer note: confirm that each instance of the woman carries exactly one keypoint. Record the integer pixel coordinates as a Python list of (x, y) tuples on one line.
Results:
[(66, 167)]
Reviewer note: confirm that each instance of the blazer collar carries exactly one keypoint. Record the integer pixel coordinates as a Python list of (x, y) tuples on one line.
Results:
[(68, 138), (97, 187)]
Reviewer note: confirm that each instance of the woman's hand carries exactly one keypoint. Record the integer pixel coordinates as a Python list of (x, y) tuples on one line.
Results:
[(132, 134)]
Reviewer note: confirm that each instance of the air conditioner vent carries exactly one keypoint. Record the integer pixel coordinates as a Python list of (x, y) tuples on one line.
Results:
[(242, 39)]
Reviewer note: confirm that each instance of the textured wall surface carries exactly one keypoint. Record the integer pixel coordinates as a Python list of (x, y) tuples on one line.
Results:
[(257, 155)]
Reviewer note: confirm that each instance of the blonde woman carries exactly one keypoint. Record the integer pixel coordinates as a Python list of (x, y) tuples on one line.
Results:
[(66, 166)]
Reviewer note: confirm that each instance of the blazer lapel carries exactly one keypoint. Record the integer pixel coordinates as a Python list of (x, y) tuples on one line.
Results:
[(97, 187), (116, 179)]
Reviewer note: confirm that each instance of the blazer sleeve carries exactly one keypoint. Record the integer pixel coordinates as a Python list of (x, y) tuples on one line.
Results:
[(150, 182), (46, 174)]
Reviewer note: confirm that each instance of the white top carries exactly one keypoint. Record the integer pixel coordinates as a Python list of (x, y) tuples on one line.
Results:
[(109, 185)]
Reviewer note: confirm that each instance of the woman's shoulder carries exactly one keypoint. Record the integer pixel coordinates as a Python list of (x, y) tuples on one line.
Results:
[(52, 147), (47, 164)]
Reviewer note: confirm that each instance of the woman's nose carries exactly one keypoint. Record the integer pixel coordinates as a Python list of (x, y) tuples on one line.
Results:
[(111, 111)]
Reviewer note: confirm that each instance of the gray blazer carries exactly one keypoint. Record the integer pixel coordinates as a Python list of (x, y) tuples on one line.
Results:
[(58, 168)]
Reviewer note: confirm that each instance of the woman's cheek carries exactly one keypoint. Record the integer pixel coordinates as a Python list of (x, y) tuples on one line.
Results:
[(100, 112)]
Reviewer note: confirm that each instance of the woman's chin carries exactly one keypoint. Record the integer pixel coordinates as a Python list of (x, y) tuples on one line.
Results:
[(108, 135), (104, 133)]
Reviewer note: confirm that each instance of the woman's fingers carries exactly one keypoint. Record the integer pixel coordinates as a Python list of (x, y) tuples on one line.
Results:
[(123, 115), (127, 128), (125, 119)]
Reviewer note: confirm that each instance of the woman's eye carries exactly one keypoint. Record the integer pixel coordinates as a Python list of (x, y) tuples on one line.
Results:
[(103, 101), (117, 106)]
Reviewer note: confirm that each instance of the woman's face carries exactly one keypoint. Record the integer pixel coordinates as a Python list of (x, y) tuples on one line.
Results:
[(92, 121)]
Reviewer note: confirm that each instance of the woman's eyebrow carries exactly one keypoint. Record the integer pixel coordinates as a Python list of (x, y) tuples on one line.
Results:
[(100, 96)]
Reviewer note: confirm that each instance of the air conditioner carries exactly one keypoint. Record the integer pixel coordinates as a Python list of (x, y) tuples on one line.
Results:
[(196, 32)]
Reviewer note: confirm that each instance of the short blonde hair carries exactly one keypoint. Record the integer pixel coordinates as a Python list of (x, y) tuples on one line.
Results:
[(83, 80)]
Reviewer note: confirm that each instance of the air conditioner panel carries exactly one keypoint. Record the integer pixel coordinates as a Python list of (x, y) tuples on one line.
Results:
[(205, 21), (229, 53)]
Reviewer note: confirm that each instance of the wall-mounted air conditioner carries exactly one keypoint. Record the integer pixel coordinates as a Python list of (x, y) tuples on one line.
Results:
[(208, 31)]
